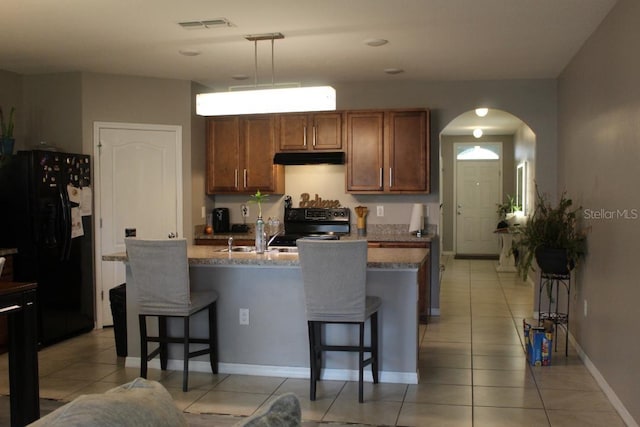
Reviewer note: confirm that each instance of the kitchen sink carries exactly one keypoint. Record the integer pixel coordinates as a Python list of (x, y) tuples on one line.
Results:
[(240, 249)]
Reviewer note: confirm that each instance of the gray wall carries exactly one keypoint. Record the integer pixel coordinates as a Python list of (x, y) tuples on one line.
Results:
[(598, 152)]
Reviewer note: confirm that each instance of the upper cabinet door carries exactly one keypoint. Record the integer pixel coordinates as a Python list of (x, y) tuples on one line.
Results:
[(365, 160), (259, 146), (407, 138), (223, 154), (307, 131), (240, 152)]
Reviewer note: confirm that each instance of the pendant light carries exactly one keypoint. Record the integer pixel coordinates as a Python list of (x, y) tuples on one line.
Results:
[(270, 100)]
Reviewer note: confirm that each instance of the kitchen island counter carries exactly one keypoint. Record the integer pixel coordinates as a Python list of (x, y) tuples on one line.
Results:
[(214, 255), (275, 342)]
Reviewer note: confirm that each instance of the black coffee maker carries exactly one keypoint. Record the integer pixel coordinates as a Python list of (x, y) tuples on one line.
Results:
[(221, 220)]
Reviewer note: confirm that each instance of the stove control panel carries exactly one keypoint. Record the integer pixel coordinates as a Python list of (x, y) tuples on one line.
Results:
[(317, 215)]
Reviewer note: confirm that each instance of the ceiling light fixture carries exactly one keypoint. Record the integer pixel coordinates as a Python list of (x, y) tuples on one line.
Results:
[(477, 132), (393, 71), (481, 112), (376, 42), (272, 100)]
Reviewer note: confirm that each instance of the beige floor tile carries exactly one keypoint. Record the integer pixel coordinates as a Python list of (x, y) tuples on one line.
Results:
[(506, 350), (125, 375), (446, 347), (518, 363), (439, 394), (380, 392), (558, 379), (255, 384), (499, 378), (92, 388), (199, 380), (85, 371), (507, 397), (509, 417), (428, 359), (561, 418), (60, 388), (228, 402), (346, 409), (183, 399), (446, 376), (425, 414), (576, 400)]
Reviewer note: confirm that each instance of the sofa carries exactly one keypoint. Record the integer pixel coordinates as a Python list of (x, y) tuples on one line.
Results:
[(146, 403)]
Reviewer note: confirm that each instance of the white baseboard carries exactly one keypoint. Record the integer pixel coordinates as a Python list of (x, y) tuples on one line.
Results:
[(607, 390), (279, 371)]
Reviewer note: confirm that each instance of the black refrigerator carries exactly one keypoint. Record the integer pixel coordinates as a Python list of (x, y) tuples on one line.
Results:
[(51, 226)]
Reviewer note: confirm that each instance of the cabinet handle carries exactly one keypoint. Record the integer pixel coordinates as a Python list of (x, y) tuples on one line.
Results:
[(304, 136), (390, 177), (381, 185), (245, 178), (314, 136), (236, 178)]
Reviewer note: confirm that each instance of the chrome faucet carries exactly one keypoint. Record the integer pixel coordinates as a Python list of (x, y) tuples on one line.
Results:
[(273, 237), (230, 243)]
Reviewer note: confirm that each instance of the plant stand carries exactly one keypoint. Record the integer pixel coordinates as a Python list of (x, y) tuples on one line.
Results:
[(553, 282)]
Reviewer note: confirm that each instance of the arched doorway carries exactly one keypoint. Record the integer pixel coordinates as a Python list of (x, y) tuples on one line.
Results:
[(516, 165)]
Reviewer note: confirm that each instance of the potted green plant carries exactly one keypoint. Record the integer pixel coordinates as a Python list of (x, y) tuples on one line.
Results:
[(506, 211), (6, 127), (551, 237)]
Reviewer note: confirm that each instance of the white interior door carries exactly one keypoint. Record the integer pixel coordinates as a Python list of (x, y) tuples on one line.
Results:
[(139, 181), (478, 192)]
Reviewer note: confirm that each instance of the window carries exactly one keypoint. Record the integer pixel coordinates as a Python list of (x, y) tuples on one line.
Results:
[(477, 152)]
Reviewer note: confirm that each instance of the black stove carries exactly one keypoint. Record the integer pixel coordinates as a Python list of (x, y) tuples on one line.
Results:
[(313, 223)]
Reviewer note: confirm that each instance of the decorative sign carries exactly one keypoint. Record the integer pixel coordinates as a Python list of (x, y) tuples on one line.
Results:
[(307, 202)]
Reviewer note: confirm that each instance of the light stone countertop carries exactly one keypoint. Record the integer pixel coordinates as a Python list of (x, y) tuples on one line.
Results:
[(211, 255)]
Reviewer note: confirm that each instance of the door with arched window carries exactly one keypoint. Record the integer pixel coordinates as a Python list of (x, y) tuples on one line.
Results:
[(478, 190)]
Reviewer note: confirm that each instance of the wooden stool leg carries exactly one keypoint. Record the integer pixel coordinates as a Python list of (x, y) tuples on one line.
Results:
[(312, 360), (361, 364), (374, 347), (143, 345), (185, 370), (213, 338), (164, 346)]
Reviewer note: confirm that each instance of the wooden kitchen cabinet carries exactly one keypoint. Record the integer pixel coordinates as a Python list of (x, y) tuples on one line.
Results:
[(310, 132), (388, 152), (240, 152), (424, 281)]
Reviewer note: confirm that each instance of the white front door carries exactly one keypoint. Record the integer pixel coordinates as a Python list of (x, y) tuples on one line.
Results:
[(477, 196), (138, 185)]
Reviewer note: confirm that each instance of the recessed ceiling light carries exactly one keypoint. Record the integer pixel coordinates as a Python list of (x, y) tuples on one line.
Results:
[(393, 70), (189, 52), (376, 42), (481, 112), (477, 132), (239, 77)]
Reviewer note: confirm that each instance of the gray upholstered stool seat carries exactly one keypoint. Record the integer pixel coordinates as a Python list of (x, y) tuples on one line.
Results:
[(334, 273), (160, 271)]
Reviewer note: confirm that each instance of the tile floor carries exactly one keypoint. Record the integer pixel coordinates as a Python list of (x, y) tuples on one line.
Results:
[(472, 368)]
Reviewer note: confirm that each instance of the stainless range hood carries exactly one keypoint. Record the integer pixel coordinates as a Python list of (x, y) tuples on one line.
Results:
[(310, 158)]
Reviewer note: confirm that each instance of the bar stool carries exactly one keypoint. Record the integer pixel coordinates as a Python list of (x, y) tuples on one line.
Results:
[(334, 273), (160, 271)]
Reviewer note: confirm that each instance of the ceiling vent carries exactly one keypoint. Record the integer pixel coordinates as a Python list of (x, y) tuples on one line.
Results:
[(202, 25)]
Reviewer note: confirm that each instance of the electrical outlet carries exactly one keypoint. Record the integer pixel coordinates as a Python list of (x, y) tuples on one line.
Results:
[(244, 316), (380, 210), (245, 210), (585, 308)]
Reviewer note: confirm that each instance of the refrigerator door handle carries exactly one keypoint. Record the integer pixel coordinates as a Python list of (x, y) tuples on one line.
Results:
[(66, 225)]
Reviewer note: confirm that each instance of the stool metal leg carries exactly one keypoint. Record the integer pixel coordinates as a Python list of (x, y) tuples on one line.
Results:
[(164, 346), (361, 364)]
